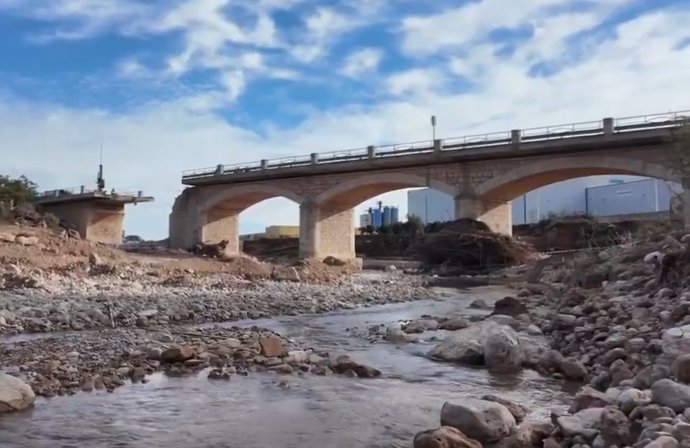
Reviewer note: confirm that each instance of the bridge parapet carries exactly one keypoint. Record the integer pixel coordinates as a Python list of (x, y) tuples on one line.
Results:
[(487, 141)]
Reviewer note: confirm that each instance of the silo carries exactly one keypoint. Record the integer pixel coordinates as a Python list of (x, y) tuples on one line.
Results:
[(377, 218), (394, 215), (387, 216)]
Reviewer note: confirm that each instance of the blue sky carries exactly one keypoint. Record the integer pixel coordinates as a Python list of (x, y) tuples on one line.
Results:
[(178, 84)]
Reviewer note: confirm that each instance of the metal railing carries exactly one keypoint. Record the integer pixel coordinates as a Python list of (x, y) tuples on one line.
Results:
[(81, 190), (547, 133)]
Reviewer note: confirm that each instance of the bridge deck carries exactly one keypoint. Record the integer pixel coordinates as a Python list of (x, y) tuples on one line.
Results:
[(607, 133)]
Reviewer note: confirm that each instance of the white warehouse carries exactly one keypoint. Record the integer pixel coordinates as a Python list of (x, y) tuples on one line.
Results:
[(593, 196)]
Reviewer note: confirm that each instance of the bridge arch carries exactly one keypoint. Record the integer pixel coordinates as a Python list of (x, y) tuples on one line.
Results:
[(356, 190), (218, 211), (533, 175), (244, 196)]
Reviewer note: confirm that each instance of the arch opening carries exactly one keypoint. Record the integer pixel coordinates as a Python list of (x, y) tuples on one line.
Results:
[(220, 214)]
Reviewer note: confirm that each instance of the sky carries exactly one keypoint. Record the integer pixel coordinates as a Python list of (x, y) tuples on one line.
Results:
[(169, 85)]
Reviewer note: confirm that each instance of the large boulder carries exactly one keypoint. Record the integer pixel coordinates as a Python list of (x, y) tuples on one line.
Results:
[(467, 346), (455, 324), (444, 437), (15, 394), (502, 352), (271, 346), (485, 421), (631, 398), (510, 306), (671, 394)]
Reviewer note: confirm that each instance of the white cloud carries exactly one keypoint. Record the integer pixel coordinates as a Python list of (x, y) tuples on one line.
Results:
[(417, 82), (362, 61), (636, 71), (474, 20)]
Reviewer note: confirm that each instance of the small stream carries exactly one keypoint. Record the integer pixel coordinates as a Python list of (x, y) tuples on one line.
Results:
[(255, 412)]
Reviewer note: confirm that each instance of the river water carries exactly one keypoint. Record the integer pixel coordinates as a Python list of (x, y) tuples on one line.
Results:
[(256, 412)]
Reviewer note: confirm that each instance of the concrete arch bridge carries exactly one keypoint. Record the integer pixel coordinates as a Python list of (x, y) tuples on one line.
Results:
[(483, 173)]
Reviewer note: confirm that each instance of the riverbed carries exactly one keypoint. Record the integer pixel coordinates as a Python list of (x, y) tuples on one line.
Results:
[(267, 410)]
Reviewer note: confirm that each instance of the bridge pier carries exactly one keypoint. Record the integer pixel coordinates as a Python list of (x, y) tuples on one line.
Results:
[(498, 215), (326, 231)]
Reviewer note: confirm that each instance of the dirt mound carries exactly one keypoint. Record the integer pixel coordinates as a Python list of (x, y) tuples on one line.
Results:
[(469, 246)]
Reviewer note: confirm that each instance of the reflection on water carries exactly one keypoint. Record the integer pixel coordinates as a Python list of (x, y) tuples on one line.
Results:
[(314, 412)]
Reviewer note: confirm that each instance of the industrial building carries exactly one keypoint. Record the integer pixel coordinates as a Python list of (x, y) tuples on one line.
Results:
[(597, 196), (380, 216)]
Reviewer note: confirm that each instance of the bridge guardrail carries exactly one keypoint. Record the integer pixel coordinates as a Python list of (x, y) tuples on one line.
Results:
[(564, 131)]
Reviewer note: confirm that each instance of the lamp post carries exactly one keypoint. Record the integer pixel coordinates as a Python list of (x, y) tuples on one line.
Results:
[(433, 127)]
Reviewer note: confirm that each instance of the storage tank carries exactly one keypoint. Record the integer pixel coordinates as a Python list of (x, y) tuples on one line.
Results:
[(387, 216), (394, 215), (377, 218)]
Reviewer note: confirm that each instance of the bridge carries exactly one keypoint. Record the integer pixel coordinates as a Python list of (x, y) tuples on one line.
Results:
[(484, 173)]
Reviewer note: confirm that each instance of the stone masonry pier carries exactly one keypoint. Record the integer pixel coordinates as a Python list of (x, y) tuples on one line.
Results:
[(483, 173)]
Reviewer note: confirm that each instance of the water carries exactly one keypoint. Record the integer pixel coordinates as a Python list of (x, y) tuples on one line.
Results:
[(256, 411)]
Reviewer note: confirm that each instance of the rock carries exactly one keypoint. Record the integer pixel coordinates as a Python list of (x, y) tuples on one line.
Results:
[(454, 324), (519, 411), (284, 369), (390, 268), (15, 394), (6, 237), (564, 321), (510, 306), (345, 363), (533, 330), (620, 371), (502, 352), (26, 240), (650, 375), (286, 273), (444, 437), (587, 398), (95, 259), (663, 442), (178, 353), (681, 368), (137, 374), (396, 336), (551, 360), (87, 383), (681, 431), (585, 423), (485, 421), (479, 304), (614, 427), (528, 434), (671, 394), (572, 369), (420, 326), (467, 346), (332, 261), (629, 399), (298, 356), (271, 346), (218, 374)]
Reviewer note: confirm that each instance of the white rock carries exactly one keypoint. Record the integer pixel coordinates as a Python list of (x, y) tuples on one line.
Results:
[(15, 394)]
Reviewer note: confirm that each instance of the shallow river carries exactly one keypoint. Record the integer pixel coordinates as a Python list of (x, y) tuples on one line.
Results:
[(318, 412)]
